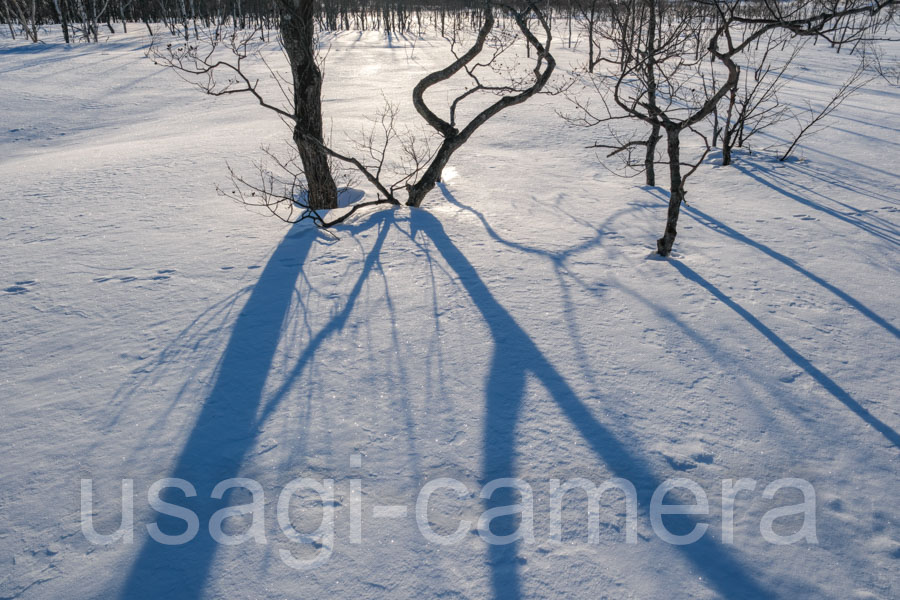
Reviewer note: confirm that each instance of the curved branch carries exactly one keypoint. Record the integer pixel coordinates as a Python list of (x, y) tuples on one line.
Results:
[(445, 128)]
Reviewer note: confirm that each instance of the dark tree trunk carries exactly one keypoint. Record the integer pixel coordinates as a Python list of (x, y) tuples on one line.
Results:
[(729, 129), (9, 22), (676, 191), (432, 174), (652, 108), (649, 158), (298, 33), (591, 63), (62, 9)]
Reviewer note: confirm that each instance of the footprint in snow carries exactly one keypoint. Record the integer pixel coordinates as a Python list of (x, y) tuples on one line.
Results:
[(20, 287), (789, 378), (162, 274), (686, 456), (680, 463)]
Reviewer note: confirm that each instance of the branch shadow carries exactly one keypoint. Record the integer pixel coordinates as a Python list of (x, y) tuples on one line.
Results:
[(714, 224), (884, 231), (798, 359), (228, 423), (515, 357)]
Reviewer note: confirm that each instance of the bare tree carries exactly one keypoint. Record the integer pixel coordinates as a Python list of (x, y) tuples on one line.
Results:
[(814, 118), (884, 66), (27, 14), (511, 93), (218, 67), (216, 64), (662, 48), (299, 40), (9, 19), (661, 57), (590, 18), (650, 51), (753, 105)]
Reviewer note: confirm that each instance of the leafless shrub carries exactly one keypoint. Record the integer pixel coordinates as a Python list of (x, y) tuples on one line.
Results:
[(812, 120)]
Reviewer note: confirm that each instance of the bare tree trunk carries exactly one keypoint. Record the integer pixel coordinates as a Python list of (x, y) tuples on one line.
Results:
[(676, 191), (29, 25), (298, 34), (650, 156), (63, 18), (590, 30), (432, 174), (122, 7), (9, 21), (727, 132), (653, 110)]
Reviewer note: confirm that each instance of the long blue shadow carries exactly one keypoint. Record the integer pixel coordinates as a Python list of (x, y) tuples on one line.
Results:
[(716, 225), (228, 424), (225, 430), (384, 219), (888, 234), (798, 359), (516, 356)]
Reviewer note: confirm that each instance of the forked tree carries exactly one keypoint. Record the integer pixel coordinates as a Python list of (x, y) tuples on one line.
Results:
[(307, 186), (663, 48)]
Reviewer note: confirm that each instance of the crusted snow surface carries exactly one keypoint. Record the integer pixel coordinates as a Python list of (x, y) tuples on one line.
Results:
[(518, 326)]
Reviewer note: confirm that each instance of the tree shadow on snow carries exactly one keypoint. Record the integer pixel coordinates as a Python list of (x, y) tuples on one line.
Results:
[(236, 406), (227, 426), (871, 224), (890, 434), (712, 223), (515, 357), (798, 359)]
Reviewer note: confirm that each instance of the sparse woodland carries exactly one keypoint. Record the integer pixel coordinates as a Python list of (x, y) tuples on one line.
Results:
[(467, 299), (663, 83)]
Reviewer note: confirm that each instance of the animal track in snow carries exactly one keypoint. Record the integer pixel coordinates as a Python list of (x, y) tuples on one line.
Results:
[(20, 287), (160, 275)]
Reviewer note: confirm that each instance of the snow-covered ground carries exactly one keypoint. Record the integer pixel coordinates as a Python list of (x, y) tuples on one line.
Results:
[(518, 326)]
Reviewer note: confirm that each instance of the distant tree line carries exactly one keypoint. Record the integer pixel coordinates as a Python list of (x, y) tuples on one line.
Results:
[(85, 20), (658, 72)]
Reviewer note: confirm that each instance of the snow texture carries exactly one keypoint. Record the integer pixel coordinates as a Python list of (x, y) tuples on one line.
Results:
[(519, 325)]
